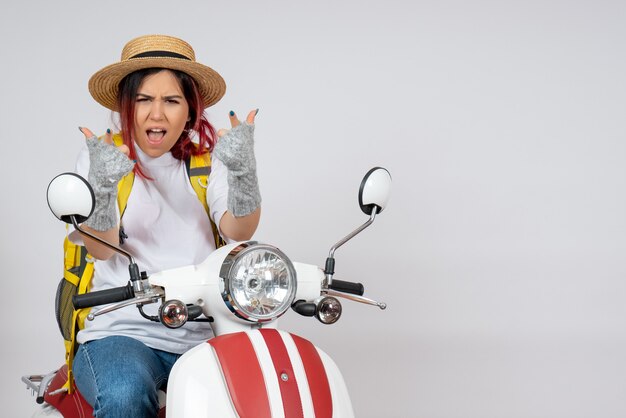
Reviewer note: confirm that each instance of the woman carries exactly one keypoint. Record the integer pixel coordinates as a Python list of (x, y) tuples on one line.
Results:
[(160, 92)]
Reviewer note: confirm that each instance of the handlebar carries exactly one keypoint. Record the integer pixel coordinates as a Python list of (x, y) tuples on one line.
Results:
[(347, 287), (103, 297)]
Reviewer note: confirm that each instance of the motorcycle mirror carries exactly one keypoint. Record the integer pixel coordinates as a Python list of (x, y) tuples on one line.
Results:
[(69, 195), (72, 200), (374, 191), (373, 197)]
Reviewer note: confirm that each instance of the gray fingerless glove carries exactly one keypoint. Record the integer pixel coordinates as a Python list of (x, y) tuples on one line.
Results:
[(107, 165), (236, 150)]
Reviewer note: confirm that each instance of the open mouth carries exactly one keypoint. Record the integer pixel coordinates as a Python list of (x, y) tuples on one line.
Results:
[(156, 135)]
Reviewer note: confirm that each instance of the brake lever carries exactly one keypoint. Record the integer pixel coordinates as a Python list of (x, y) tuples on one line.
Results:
[(355, 298), (153, 297)]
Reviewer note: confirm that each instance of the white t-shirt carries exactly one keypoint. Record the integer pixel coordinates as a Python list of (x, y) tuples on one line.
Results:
[(167, 227)]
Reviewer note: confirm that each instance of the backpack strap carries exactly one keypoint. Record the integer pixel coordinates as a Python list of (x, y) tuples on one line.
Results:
[(125, 185), (78, 272), (198, 170)]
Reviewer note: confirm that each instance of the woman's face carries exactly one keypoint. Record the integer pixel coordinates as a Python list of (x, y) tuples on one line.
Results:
[(161, 112)]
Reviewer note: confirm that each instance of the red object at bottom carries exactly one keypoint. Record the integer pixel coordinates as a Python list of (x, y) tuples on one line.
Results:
[(71, 405)]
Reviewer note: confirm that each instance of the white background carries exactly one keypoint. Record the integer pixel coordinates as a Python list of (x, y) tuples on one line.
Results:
[(501, 254)]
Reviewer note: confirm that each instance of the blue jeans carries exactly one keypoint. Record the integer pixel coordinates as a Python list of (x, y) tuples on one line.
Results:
[(120, 376)]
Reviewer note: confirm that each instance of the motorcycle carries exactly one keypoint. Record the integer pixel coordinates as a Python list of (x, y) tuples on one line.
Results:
[(250, 368)]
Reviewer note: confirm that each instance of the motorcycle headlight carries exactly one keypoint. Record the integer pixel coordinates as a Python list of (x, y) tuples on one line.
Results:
[(259, 282)]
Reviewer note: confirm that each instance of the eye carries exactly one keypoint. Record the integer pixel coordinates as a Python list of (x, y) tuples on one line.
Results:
[(141, 99), (175, 101)]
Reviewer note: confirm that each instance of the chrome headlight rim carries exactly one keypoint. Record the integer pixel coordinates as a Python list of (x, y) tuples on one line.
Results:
[(230, 262)]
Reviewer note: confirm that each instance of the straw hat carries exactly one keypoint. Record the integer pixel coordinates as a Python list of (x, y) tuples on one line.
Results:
[(155, 51)]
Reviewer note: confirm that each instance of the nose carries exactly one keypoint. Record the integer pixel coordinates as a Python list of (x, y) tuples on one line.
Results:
[(156, 110)]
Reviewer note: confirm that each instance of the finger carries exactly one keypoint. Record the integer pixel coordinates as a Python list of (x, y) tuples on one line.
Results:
[(125, 150), (222, 132), (251, 116), (88, 134), (108, 137), (233, 119)]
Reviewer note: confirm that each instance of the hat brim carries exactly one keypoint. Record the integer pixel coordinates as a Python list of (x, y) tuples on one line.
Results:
[(104, 84)]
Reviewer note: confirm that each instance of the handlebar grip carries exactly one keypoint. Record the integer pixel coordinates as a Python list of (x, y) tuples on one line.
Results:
[(347, 287), (103, 297)]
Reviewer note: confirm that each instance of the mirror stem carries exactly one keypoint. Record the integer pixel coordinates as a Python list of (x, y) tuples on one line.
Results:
[(134, 270), (330, 261), (352, 234)]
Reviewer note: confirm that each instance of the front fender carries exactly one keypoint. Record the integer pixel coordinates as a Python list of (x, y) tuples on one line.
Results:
[(257, 374)]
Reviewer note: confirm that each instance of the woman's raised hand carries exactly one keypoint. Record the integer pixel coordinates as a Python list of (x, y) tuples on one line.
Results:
[(235, 148), (107, 165)]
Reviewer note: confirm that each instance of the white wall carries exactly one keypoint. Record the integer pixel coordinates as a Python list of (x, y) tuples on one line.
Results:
[(501, 254)]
